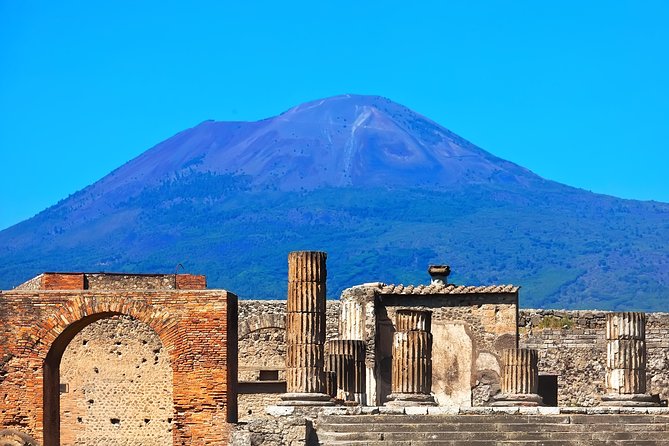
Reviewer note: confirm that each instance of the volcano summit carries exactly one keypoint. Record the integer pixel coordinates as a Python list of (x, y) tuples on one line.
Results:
[(383, 189)]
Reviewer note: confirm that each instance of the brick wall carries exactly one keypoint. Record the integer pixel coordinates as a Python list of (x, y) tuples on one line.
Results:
[(54, 281), (197, 329), (117, 383)]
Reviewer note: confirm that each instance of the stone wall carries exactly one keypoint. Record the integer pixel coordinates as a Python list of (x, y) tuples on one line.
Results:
[(262, 347), (294, 429), (572, 345), (469, 333), (262, 343), (116, 386)]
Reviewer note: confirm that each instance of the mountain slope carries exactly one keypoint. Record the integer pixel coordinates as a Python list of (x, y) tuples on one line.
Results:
[(384, 190)]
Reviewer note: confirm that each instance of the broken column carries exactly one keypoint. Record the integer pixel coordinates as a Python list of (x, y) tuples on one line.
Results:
[(341, 368), (626, 360), (347, 359), (305, 329), (411, 381), (357, 321), (520, 378)]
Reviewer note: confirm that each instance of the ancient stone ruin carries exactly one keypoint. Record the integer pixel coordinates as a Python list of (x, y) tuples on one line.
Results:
[(520, 378), (115, 359), (64, 373), (305, 329), (451, 353)]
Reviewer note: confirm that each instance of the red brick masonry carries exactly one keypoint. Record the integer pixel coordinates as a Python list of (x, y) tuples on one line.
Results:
[(198, 329)]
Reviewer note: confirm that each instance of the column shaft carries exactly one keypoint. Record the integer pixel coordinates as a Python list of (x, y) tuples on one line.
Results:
[(352, 320), (521, 372), (342, 367), (411, 375), (305, 327), (626, 353), (410, 320), (355, 349), (520, 378), (412, 362)]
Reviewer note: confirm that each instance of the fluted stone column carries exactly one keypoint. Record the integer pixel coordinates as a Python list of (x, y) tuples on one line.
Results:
[(305, 329), (626, 360), (341, 367), (411, 381), (357, 321), (413, 320), (520, 378), (347, 359), (330, 383), (352, 320)]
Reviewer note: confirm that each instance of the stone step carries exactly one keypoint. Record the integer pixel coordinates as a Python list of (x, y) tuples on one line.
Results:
[(492, 436), (495, 427), (498, 418), (501, 443)]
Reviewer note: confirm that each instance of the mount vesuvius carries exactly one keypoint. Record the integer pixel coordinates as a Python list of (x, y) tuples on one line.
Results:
[(383, 189)]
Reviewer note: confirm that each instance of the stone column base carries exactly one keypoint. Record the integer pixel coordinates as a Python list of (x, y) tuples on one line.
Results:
[(629, 400), (410, 399), (360, 398), (306, 399), (517, 399)]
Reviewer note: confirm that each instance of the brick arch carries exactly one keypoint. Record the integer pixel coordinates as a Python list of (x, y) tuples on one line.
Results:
[(84, 310), (197, 328), (260, 322), (56, 333)]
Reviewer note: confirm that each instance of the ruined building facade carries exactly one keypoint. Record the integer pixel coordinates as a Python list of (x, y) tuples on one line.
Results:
[(571, 348), (97, 359), (80, 353)]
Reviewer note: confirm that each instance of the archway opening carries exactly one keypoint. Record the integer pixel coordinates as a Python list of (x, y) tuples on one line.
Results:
[(108, 380)]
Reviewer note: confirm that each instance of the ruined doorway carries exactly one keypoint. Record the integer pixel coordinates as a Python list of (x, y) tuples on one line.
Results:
[(114, 383), (548, 389)]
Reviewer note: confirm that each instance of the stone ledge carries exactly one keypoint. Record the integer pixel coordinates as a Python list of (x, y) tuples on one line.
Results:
[(484, 410)]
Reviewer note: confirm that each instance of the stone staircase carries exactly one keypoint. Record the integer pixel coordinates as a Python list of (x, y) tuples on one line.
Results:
[(494, 429)]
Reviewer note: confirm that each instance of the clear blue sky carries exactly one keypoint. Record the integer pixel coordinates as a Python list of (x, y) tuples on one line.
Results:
[(577, 91)]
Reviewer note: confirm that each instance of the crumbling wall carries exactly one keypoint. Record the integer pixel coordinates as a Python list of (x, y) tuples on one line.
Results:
[(469, 333), (113, 281), (572, 345), (489, 327), (116, 386), (262, 347)]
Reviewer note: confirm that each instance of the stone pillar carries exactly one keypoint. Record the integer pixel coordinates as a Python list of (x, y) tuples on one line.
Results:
[(341, 367), (358, 320), (305, 329), (352, 320), (626, 360), (411, 381), (520, 378), (351, 379), (330, 383)]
